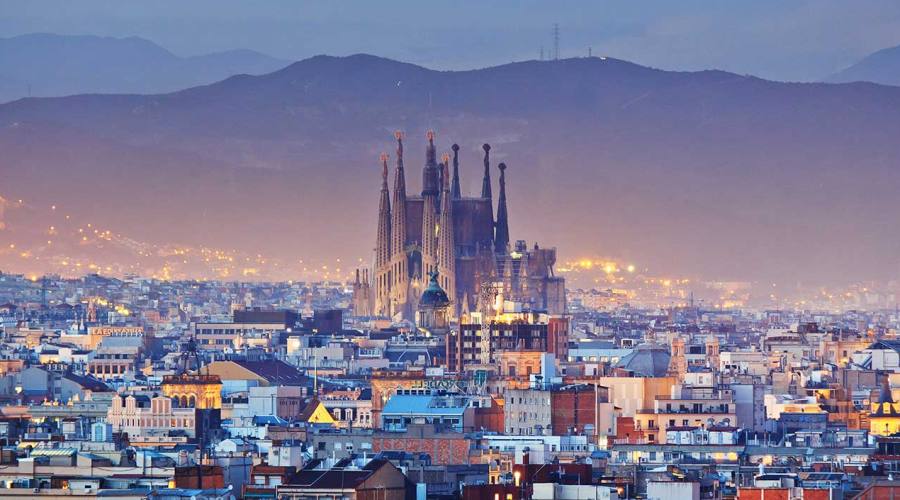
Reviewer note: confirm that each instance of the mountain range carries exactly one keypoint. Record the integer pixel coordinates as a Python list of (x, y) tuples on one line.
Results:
[(708, 174), (50, 65), (881, 67)]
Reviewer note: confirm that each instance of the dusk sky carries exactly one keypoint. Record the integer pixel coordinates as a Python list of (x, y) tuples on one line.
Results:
[(775, 39)]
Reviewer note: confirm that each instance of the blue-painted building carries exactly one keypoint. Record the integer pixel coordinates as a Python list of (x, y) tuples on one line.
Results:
[(452, 412)]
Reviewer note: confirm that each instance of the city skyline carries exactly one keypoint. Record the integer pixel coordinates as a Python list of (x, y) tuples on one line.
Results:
[(449, 251)]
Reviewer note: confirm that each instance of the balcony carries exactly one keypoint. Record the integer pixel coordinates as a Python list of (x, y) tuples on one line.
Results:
[(707, 410), (187, 378), (633, 441)]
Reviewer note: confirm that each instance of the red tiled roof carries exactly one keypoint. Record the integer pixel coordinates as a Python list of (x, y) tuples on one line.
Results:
[(271, 469)]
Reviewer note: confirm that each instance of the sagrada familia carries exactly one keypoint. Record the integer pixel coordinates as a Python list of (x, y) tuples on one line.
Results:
[(457, 240)]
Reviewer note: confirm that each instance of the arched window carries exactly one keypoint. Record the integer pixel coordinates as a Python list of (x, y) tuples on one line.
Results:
[(193, 402), (184, 402)]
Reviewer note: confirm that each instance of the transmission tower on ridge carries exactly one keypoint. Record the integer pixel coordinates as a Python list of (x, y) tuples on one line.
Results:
[(556, 42)]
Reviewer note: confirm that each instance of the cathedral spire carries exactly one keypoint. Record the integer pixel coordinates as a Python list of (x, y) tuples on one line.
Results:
[(446, 258), (383, 244), (454, 189), (501, 237), (398, 268), (431, 154), (398, 221), (430, 193), (443, 171), (486, 181), (443, 180), (384, 171), (430, 184), (464, 308)]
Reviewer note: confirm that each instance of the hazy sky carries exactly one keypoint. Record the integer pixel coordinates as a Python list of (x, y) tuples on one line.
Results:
[(778, 39)]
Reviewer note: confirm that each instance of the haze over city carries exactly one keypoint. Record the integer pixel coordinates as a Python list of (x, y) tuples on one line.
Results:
[(295, 250), (641, 207)]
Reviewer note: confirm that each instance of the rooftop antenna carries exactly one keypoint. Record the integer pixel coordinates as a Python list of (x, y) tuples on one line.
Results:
[(315, 375), (589, 51), (556, 42), (542, 53)]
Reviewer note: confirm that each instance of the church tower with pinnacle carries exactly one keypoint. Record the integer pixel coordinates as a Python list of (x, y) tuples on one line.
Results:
[(383, 245), (446, 258), (399, 283), (430, 194)]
